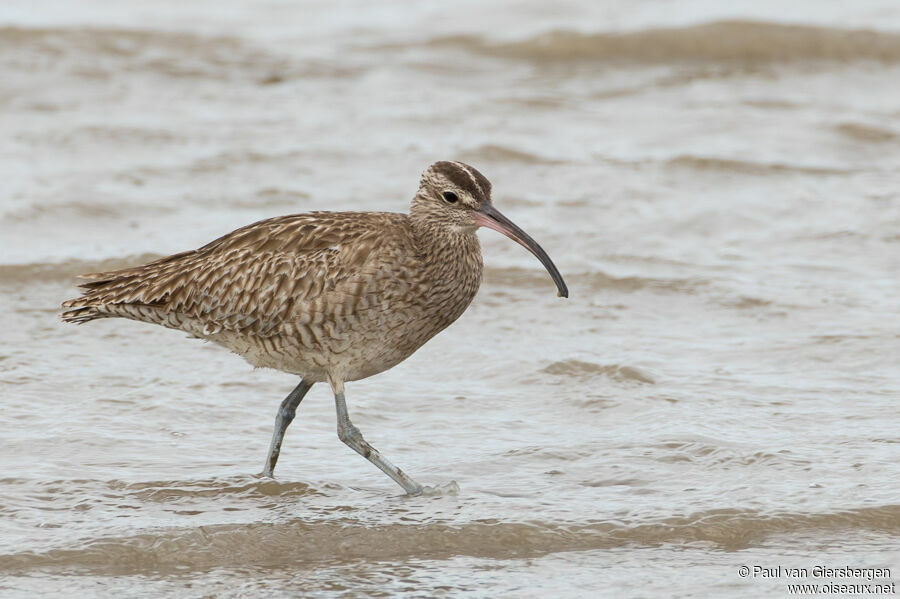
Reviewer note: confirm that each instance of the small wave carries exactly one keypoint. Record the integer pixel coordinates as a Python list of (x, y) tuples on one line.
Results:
[(300, 541), (94, 134), (599, 281), (594, 281), (714, 454), (770, 104), (76, 209), (865, 133), (835, 339), (59, 271), (225, 160), (98, 53), (244, 486), (497, 153), (615, 482), (745, 302), (746, 167), (272, 197), (581, 370), (733, 41)]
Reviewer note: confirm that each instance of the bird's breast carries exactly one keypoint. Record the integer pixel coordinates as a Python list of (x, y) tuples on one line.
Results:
[(445, 290)]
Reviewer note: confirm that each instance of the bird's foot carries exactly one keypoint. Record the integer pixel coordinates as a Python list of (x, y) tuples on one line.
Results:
[(447, 489)]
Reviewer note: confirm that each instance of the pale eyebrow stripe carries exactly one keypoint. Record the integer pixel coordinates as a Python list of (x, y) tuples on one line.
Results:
[(465, 167)]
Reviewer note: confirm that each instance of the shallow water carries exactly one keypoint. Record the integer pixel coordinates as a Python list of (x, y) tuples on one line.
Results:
[(718, 185)]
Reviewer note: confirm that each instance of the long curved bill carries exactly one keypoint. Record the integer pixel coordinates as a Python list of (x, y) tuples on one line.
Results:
[(491, 218)]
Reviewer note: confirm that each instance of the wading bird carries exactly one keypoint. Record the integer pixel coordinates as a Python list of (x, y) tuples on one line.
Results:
[(327, 296)]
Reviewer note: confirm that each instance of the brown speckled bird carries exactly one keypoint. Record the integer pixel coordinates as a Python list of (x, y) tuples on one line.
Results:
[(328, 296)]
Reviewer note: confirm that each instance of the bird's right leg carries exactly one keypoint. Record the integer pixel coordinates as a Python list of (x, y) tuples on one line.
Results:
[(351, 437), (283, 419)]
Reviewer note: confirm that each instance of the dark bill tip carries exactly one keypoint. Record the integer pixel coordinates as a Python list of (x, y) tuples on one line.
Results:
[(492, 218)]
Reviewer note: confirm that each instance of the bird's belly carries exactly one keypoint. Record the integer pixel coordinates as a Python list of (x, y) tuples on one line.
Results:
[(346, 349), (276, 352)]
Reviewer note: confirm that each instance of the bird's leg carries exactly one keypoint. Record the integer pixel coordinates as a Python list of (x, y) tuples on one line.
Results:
[(351, 437), (286, 413)]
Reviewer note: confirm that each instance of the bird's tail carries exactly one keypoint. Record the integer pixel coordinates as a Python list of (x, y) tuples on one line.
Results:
[(91, 304), (81, 314), (138, 292)]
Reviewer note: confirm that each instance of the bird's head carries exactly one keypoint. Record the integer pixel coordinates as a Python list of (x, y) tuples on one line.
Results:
[(456, 197)]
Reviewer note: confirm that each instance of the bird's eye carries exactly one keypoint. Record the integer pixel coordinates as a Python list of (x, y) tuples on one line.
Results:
[(450, 197)]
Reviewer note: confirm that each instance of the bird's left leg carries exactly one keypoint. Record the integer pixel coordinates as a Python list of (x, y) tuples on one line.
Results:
[(351, 437), (283, 419)]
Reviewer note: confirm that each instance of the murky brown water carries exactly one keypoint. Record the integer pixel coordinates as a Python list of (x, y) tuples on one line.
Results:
[(719, 184)]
